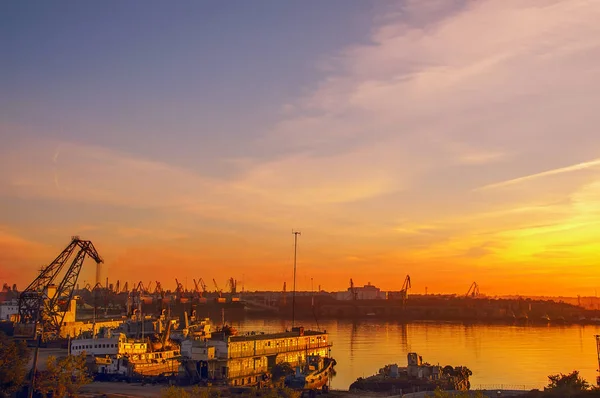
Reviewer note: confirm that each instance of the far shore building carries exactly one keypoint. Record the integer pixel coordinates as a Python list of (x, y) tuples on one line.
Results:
[(366, 292)]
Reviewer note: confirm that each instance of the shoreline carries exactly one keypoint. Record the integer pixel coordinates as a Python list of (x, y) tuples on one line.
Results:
[(137, 390)]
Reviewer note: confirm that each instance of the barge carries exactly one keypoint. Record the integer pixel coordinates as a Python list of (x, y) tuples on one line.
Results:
[(247, 359)]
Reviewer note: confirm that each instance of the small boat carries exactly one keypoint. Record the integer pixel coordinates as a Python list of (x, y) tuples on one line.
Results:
[(314, 376)]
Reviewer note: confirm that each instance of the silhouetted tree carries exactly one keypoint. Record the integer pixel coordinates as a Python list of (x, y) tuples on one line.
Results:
[(64, 377), (14, 356), (569, 383)]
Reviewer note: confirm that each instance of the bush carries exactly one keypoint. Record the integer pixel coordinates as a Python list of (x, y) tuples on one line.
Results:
[(14, 356)]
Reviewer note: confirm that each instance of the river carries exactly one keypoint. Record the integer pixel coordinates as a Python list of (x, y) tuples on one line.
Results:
[(500, 356)]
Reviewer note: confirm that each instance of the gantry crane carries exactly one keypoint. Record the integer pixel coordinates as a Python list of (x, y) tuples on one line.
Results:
[(219, 291), (203, 285), (199, 287), (158, 289), (232, 284), (405, 286), (353, 290), (473, 290), (43, 304)]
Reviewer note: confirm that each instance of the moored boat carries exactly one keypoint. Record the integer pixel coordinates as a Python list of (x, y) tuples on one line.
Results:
[(315, 375), (114, 356), (418, 376)]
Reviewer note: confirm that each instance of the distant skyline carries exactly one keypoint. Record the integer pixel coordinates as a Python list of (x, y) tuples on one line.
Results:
[(455, 141)]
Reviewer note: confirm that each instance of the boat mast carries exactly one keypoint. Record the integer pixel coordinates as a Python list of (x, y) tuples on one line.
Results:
[(598, 352), (296, 233)]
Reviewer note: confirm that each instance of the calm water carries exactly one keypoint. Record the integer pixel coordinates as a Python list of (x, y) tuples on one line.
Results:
[(511, 356)]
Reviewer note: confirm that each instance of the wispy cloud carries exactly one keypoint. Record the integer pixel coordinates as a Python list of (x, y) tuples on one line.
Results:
[(441, 98), (561, 170)]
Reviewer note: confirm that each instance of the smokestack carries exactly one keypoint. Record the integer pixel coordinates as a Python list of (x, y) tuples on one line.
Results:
[(98, 270)]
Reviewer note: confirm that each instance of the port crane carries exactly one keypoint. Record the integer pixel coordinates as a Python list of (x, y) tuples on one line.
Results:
[(219, 291), (232, 284), (197, 290), (42, 302), (158, 288), (353, 290), (405, 286), (203, 285), (473, 290)]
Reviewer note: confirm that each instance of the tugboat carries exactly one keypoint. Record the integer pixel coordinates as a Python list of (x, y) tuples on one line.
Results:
[(315, 375)]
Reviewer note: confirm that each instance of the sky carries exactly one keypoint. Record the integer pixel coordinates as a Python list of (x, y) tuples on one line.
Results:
[(449, 140)]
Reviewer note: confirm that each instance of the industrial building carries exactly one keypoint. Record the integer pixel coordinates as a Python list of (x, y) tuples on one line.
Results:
[(9, 310), (367, 292)]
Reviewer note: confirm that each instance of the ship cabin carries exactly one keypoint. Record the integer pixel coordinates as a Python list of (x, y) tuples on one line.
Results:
[(247, 359), (111, 345)]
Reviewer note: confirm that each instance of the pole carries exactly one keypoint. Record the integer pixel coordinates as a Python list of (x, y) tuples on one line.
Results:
[(35, 360), (296, 233), (38, 339)]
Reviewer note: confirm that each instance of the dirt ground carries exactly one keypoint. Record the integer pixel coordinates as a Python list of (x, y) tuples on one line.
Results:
[(125, 390)]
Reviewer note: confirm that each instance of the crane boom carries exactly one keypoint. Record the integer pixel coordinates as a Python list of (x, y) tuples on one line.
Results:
[(473, 290), (352, 290), (203, 285), (44, 302)]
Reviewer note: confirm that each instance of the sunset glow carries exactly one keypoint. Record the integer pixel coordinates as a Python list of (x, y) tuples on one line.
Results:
[(455, 141)]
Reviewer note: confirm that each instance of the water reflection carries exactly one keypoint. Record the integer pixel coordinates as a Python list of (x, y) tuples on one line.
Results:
[(353, 333), (497, 354)]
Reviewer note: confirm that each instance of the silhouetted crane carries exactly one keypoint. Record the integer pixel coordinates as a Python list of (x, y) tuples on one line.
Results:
[(42, 301), (353, 292), (405, 286), (473, 290), (219, 291)]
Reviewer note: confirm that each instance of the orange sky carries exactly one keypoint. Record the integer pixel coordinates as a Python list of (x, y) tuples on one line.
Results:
[(454, 144)]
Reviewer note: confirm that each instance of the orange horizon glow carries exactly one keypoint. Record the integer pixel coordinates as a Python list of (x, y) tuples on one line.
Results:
[(449, 142)]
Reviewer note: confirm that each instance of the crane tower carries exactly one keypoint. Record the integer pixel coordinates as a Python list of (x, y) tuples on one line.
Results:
[(44, 303)]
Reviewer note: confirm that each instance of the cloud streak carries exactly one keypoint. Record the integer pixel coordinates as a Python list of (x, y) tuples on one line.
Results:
[(424, 121), (561, 170)]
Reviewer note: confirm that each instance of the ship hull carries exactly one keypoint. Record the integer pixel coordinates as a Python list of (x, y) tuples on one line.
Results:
[(315, 380)]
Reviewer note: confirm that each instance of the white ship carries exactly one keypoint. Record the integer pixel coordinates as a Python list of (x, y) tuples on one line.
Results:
[(114, 356)]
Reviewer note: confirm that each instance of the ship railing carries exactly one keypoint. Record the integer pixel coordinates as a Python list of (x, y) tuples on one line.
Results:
[(245, 373), (277, 350), (506, 387)]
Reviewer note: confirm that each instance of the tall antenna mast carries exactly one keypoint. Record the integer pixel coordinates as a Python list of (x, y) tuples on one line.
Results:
[(296, 233), (598, 352)]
